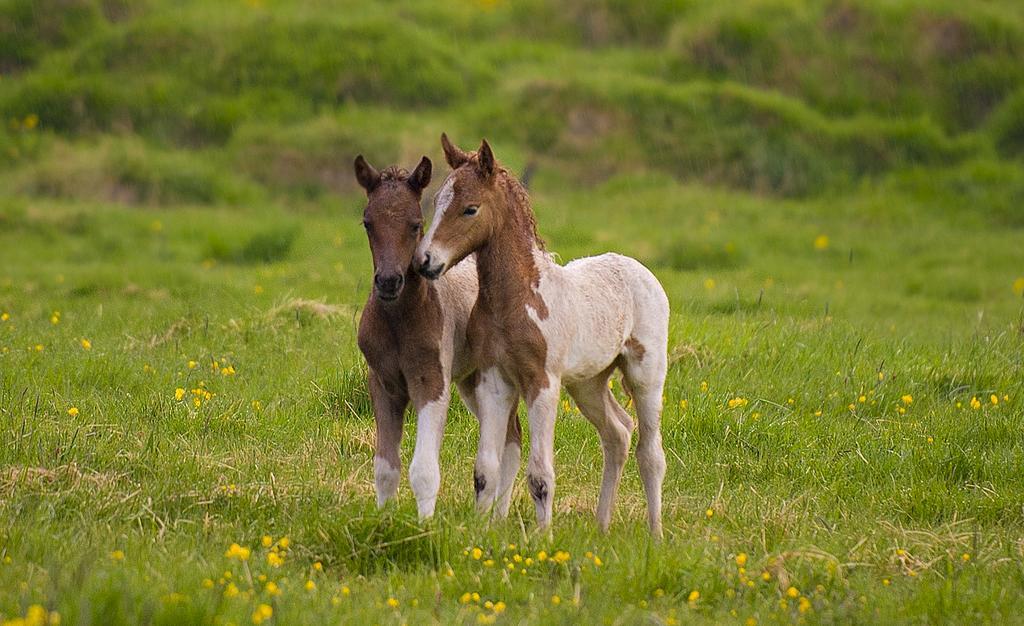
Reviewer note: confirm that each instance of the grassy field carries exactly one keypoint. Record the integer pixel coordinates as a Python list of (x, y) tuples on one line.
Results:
[(832, 195)]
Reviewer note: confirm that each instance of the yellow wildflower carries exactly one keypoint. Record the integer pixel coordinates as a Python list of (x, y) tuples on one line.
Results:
[(73, 411), (907, 399), (207, 583), (499, 607), (560, 556), (236, 551), (994, 399), (477, 553), (230, 591), (542, 556), (275, 559), (267, 541), (35, 616), (86, 344), (310, 585), (556, 600), (975, 403), (693, 597), (793, 592), (804, 605), (741, 559), (709, 513), (272, 588), (318, 566), (821, 242), (284, 543), (117, 555), (262, 613)]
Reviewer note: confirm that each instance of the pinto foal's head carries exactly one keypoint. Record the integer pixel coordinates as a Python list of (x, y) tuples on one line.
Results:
[(467, 210), (393, 221)]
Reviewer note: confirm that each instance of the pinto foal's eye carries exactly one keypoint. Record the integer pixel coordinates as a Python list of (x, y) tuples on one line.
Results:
[(367, 225), (471, 210), (415, 227)]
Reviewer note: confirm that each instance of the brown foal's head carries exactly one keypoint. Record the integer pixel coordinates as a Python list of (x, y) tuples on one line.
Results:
[(393, 221)]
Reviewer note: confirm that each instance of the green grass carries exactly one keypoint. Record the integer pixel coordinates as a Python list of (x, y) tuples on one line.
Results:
[(178, 192)]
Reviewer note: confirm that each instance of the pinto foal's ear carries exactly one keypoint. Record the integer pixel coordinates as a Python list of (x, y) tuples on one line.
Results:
[(420, 177), (367, 176), (485, 160), (455, 156)]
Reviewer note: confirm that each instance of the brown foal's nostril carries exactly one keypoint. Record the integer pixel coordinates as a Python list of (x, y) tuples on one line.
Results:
[(388, 285)]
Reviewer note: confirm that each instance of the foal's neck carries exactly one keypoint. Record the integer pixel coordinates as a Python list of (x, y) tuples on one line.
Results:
[(507, 264), (413, 297)]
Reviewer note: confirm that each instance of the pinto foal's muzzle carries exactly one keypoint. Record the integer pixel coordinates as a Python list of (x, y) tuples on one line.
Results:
[(429, 270)]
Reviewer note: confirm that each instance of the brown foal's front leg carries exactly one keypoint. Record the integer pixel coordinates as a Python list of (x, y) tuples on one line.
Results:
[(388, 411)]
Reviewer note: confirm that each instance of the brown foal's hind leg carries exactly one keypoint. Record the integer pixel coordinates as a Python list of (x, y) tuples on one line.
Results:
[(614, 426), (510, 460), (388, 412)]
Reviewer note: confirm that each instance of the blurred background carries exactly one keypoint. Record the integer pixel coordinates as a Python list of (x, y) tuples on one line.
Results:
[(157, 102), (733, 146)]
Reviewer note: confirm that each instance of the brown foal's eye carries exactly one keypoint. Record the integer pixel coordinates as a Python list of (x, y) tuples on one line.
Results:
[(367, 225), (416, 227), (471, 210)]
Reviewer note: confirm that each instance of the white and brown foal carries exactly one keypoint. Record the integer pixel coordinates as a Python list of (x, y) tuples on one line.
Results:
[(538, 325), (413, 335)]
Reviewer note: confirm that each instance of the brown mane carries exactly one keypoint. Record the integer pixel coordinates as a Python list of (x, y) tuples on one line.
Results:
[(394, 172), (518, 200)]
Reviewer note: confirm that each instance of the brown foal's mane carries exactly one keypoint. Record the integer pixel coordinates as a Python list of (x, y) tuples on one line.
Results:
[(394, 172)]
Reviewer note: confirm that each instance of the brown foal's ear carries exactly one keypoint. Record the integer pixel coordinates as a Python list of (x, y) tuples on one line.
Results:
[(455, 156), (367, 176), (485, 160), (420, 177)]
